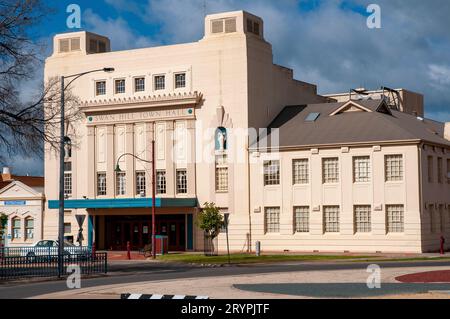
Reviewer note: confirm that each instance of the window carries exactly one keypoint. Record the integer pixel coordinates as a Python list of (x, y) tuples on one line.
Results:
[(119, 86), (442, 218), (180, 80), (430, 169), (361, 169), (101, 184), (300, 171), (312, 117), (15, 228), (221, 173), (160, 82), (301, 219), (395, 218), (181, 181), (440, 170), (331, 219), (394, 168), (271, 173), (363, 222), (67, 184), (139, 84), (330, 170), (272, 220), (100, 88), (448, 171), (67, 228), (140, 184), (29, 228), (432, 220), (120, 183), (161, 182)]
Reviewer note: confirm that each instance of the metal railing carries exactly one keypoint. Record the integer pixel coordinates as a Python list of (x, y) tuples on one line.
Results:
[(18, 267), (33, 251)]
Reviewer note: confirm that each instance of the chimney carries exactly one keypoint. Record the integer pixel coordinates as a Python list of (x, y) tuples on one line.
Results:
[(447, 131), (6, 174)]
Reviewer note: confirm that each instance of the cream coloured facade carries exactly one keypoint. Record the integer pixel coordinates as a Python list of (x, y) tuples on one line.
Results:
[(199, 101)]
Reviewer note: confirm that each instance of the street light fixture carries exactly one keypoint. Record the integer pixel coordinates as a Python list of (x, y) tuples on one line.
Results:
[(118, 170), (61, 163)]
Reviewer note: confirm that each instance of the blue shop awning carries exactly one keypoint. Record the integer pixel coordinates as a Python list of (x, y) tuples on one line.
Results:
[(124, 203)]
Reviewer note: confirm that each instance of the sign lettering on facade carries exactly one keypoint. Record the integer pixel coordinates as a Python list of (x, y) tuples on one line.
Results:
[(139, 116), (15, 203)]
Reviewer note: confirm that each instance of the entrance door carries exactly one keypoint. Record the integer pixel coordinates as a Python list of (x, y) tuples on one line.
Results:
[(175, 229)]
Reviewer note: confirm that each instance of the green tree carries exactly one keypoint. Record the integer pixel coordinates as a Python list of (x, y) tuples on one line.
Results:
[(210, 220), (3, 222)]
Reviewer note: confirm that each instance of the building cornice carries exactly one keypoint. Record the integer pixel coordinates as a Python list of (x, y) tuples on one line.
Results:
[(141, 102)]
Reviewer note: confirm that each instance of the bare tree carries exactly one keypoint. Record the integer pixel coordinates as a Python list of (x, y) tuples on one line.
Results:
[(26, 125)]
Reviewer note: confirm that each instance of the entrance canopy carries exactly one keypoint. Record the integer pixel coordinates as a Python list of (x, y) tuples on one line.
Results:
[(124, 203)]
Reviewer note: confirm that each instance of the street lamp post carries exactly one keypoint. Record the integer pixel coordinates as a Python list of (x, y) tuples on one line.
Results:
[(117, 169), (61, 163)]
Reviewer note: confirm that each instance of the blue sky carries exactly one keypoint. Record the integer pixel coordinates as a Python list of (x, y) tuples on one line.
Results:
[(326, 42)]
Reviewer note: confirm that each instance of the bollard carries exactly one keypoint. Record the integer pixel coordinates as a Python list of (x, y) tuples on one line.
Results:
[(442, 245), (128, 250), (258, 248)]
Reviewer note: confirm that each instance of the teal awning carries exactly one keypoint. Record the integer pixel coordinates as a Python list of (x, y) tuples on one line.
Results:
[(124, 203)]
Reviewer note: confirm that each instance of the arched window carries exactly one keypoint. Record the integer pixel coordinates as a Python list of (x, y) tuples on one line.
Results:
[(221, 139), (15, 228), (29, 228)]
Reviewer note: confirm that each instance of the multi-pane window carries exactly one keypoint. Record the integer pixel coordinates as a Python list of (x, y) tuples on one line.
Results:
[(448, 171), (330, 170), (180, 80), (120, 183), (300, 171), (29, 228), (67, 179), (272, 220), (221, 173), (181, 181), (393, 168), (361, 169), (15, 228), (271, 173), (101, 184), (119, 86), (139, 84), (442, 218), (100, 88), (331, 219), (140, 184), (160, 82), (440, 170), (363, 221), (161, 182), (430, 169), (301, 219), (395, 218)]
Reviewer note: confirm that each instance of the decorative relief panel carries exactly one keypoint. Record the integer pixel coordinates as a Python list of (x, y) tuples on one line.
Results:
[(180, 141), (160, 141), (101, 145)]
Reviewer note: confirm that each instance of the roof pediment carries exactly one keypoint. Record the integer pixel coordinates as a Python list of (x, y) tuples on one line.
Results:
[(358, 106), (18, 189)]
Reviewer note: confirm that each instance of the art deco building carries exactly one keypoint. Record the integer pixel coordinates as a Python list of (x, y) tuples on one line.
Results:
[(332, 176)]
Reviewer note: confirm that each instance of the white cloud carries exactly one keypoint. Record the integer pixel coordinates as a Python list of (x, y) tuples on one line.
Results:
[(121, 35), (439, 74)]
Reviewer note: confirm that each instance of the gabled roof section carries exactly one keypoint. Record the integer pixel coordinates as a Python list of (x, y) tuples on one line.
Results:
[(377, 125), (363, 106), (18, 189)]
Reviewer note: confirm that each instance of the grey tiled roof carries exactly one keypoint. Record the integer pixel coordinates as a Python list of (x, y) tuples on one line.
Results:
[(352, 127)]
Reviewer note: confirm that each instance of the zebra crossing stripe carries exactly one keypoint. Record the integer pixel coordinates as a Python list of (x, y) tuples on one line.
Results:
[(161, 297)]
